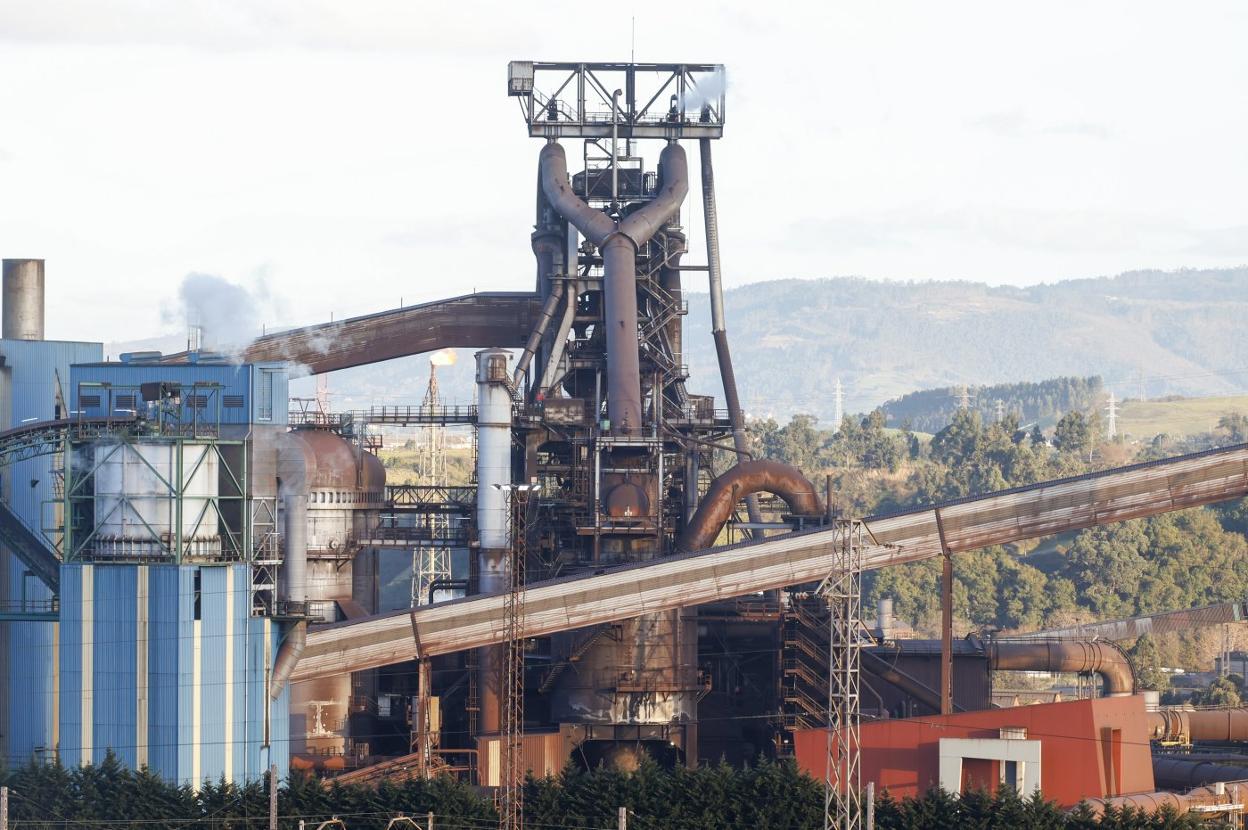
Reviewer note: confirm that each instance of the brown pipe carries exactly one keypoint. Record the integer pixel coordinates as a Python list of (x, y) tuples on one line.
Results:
[(1199, 725), (1099, 657), (1179, 802), (539, 330), (1182, 772), (762, 476), (618, 245)]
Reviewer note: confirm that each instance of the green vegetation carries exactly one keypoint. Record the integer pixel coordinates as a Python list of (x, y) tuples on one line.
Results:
[(1177, 417), (769, 796), (1031, 403)]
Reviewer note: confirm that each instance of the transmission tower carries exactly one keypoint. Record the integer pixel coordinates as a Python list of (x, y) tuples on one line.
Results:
[(511, 779), (842, 590), (431, 452), (838, 411), (1111, 419), (432, 562), (1000, 410), (964, 397)]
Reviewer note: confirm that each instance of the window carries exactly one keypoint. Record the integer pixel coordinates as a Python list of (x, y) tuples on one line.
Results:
[(264, 395)]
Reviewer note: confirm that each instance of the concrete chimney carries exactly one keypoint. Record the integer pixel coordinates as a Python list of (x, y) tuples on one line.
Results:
[(22, 303)]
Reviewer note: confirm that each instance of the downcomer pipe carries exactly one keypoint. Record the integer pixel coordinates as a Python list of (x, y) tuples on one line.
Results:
[(618, 245), (1096, 656), (21, 308), (741, 481)]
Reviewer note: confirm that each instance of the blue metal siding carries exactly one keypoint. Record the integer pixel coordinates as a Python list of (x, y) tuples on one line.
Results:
[(186, 673), (214, 684), (32, 368), (241, 728), (116, 690), (71, 665), (235, 380), (163, 654)]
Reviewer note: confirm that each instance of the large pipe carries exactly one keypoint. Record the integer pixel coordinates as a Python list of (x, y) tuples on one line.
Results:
[(22, 304), (1178, 772), (719, 327), (295, 579), (1204, 797), (747, 478), (618, 245), (918, 690), (1097, 657), (493, 477), (539, 331), (1230, 725)]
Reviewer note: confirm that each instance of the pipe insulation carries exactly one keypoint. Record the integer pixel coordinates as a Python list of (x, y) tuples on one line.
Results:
[(719, 327), (1079, 656), (618, 244), (745, 479)]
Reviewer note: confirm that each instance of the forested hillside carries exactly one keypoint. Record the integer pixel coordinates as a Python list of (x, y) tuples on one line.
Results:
[(1145, 334), (1044, 402)]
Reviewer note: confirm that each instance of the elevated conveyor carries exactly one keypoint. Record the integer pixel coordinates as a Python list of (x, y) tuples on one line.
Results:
[(473, 321), (722, 573)]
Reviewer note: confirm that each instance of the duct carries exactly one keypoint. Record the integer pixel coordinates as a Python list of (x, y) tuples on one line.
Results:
[(560, 341), (539, 331), (742, 480), (618, 245), (1205, 799), (1103, 658), (669, 279), (295, 567), (1177, 772), (22, 305), (719, 327), (884, 670), (1186, 725)]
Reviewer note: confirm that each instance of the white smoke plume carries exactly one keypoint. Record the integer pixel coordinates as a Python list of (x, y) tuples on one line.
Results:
[(227, 315), (710, 87)]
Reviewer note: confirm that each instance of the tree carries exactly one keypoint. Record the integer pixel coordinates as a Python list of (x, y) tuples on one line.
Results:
[(1073, 434)]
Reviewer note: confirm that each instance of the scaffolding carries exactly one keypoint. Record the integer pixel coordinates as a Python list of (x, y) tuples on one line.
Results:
[(842, 590)]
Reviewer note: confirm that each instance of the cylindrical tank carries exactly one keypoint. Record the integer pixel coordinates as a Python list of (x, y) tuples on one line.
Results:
[(22, 304), (493, 475), (344, 488), (136, 504)]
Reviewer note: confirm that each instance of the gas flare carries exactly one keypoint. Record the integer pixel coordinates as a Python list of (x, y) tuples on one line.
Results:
[(445, 357)]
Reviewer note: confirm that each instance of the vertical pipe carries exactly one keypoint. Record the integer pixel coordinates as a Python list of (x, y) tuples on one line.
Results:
[(493, 473), (718, 328), (946, 621), (615, 145), (22, 305)]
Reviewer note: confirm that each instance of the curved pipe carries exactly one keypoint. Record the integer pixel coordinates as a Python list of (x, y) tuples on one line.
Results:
[(1185, 725), (762, 476), (288, 655), (1176, 773), (1099, 657), (618, 245)]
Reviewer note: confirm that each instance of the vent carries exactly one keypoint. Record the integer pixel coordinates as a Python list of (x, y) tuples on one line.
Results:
[(87, 401), (232, 401), (197, 401), (125, 401)]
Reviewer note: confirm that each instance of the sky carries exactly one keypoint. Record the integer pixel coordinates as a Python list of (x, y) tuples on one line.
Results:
[(334, 158)]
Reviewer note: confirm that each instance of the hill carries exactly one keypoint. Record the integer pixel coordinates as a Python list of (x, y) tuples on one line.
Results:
[(1151, 332)]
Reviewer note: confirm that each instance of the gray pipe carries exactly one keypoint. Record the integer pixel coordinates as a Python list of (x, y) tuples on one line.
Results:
[(719, 328), (1182, 772), (294, 564), (22, 306), (619, 245), (539, 330)]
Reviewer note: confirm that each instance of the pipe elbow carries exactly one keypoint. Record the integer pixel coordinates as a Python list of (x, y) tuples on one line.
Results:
[(553, 170), (746, 479), (287, 658)]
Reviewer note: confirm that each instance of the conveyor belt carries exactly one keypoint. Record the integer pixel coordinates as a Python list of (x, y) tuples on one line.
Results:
[(495, 319), (706, 576)]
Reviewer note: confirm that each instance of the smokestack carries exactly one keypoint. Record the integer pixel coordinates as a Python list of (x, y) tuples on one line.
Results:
[(22, 305)]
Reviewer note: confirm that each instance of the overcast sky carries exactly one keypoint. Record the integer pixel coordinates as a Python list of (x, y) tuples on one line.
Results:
[(335, 156)]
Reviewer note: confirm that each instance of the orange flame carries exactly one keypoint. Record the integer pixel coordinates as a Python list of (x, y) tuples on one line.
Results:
[(446, 357)]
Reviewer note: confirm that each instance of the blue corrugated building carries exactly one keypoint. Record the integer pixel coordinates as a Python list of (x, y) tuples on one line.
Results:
[(34, 381), (166, 666)]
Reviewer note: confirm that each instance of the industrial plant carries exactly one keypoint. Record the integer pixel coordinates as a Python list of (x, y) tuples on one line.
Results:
[(208, 579)]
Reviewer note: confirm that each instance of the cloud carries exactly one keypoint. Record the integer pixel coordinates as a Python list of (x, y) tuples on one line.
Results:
[(1222, 242), (1013, 124)]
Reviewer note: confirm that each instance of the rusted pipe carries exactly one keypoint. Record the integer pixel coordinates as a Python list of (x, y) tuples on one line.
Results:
[(1199, 725), (618, 246), (1202, 797), (1098, 657), (762, 476), (539, 331), (1185, 771)]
